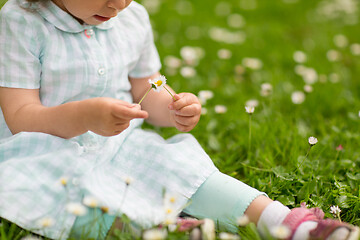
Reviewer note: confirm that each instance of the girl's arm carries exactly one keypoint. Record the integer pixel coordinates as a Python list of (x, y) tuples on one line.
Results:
[(23, 111), (155, 103), (184, 113)]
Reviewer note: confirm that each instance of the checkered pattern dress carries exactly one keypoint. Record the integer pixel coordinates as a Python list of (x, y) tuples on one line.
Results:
[(43, 47)]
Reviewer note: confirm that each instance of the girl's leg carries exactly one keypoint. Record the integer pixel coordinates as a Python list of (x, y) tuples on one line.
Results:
[(224, 199), (257, 207)]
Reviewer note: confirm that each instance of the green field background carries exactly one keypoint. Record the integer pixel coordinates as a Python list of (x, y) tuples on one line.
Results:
[(276, 157)]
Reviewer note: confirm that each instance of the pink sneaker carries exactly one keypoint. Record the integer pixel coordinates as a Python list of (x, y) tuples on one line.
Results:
[(186, 224), (325, 229)]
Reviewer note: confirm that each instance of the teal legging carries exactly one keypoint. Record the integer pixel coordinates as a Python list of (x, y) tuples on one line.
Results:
[(221, 198)]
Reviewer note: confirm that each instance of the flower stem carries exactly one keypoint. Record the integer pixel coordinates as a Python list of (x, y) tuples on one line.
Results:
[(338, 215), (337, 155), (123, 198), (170, 93), (249, 135), (301, 163), (145, 95)]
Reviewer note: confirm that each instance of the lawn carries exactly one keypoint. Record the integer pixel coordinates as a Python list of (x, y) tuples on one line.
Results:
[(299, 63)]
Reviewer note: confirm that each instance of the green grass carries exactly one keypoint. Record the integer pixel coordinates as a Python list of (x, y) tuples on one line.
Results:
[(276, 162)]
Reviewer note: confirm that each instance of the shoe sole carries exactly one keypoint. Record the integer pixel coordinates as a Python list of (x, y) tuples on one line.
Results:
[(354, 234)]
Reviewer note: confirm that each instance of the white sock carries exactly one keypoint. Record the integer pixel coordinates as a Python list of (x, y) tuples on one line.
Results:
[(273, 215)]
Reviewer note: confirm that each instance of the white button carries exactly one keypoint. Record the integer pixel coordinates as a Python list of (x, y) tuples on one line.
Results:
[(101, 71), (90, 32)]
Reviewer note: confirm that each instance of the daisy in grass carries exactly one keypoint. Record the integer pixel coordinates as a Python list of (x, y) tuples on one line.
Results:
[(63, 181), (90, 202), (208, 229), (249, 109), (30, 237), (46, 222), (154, 234), (76, 209), (128, 180), (157, 84), (170, 216), (228, 236), (280, 232), (243, 221), (312, 140), (335, 211)]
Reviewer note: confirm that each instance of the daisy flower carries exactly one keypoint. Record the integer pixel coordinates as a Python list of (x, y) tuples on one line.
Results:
[(220, 109), (308, 88), (205, 95), (281, 232), (249, 109), (252, 103), (312, 141), (228, 236), (46, 222), (299, 57), (187, 72), (297, 97), (90, 202), (104, 209), (157, 84), (30, 237), (63, 181), (266, 89), (155, 234), (128, 180), (355, 49), (76, 209), (208, 229), (335, 210), (243, 221)]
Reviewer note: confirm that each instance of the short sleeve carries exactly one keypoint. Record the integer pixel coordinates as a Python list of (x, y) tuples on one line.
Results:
[(149, 61), (20, 65)]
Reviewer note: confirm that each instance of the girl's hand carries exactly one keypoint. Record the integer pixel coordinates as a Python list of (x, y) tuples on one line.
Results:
[(185, 111), (108, 116)]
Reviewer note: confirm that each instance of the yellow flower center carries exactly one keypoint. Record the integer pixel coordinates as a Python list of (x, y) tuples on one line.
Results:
[(46, 223), (77, 212), (92, 203), (104, 209), (63, 181), (168, 211), (158, 83), (172, 199)]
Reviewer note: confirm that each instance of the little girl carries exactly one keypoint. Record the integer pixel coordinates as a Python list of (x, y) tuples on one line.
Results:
[(70, 73)]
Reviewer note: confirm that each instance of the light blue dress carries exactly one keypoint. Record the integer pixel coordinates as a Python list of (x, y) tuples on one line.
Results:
[(43, 47)]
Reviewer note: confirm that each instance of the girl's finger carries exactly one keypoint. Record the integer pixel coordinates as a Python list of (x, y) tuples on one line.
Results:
[(177, 97), (183, 128), (190, 110), (186, 121), (182, 102), (127, 112)]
